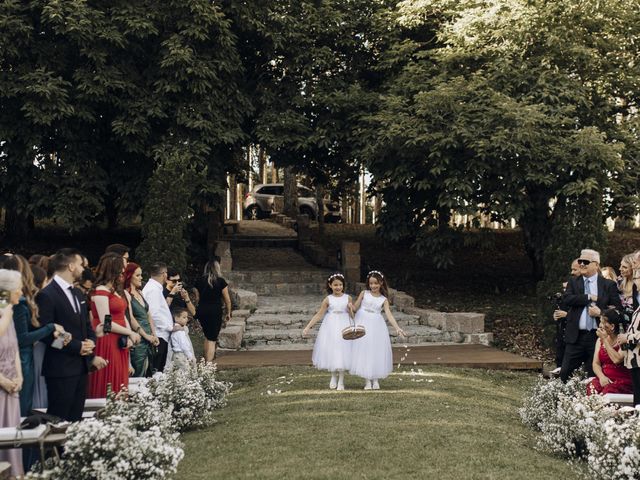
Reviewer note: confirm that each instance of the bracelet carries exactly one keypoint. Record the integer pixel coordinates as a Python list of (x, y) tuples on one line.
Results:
[(187, 301), (171, 295)]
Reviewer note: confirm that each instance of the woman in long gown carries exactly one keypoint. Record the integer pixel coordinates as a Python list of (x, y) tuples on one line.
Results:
[(10, 370), (109, 299)]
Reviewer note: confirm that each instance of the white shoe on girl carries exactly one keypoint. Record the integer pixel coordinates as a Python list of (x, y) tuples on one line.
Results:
[(367, 385), (375, 385), (334, 381)]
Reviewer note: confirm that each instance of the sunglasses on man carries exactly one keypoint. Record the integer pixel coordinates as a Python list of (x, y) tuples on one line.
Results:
[(584, 263), (174, 280)]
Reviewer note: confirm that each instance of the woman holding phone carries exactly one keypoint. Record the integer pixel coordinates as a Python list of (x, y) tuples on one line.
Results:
[(108, 300)]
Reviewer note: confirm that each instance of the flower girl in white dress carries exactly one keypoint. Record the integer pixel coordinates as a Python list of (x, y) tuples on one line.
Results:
[(332, 352), (372, 356)]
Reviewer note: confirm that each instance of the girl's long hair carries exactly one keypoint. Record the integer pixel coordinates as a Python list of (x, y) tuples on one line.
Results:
[(384, 288), (212, 271), (335, 276), (29, 289), (109, 270)]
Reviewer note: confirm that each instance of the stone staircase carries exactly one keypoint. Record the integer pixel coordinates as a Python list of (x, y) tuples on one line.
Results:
[(278, 322), (280, 282), (275, 292)]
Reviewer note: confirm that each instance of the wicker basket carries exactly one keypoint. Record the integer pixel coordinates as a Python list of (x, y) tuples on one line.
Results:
[(353, 332)]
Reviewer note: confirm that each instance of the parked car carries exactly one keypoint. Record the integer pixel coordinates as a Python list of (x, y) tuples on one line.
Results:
[(259, 203)]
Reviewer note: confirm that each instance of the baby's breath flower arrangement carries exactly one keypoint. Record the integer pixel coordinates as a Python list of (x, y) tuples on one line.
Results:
[(113, 449), (192, 392), (578, 426)]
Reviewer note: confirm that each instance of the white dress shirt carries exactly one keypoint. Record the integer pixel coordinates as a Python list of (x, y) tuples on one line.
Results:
[(158, 308), (180, 342), (64, 285)]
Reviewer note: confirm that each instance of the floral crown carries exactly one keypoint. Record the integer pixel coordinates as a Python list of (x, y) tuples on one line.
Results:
[(334, 276), (372, 272)]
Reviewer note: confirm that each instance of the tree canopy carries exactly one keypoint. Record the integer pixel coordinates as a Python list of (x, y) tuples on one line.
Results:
[(505, 107)]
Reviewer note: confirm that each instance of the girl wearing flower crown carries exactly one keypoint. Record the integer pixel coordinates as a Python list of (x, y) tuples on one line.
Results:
[(332, 352), (372, 357)]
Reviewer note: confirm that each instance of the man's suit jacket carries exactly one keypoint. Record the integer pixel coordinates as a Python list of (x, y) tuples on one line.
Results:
[(576, 299), (54, 307)]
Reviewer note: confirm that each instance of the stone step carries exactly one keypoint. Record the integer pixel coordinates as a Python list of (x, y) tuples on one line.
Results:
[(293, 336), (264, 242), (278, 276), (260, 320), (281, 289)]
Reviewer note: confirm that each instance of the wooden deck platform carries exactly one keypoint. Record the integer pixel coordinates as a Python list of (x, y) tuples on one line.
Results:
[(469, 356)]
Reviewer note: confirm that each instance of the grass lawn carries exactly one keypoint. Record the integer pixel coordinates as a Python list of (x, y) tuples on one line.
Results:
[(442, 423)]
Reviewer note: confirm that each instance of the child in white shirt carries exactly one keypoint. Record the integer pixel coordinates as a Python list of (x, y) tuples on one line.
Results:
[(180, 342)]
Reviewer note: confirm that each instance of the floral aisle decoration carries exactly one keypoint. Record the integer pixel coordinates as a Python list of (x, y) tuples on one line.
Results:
[(136, 435), (114, 449), (192, 393), (580, 427)]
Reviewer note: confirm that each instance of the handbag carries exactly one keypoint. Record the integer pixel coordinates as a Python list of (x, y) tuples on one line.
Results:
[(122, 342), (353, 331)]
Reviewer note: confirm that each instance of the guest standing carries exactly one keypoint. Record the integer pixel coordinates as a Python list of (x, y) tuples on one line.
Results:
[(212, 290), (10, 372), (175, 293), (160, 313), (28, 329), (108, 298), (65, 369), (141, 354), (587, 296), (626, 285)]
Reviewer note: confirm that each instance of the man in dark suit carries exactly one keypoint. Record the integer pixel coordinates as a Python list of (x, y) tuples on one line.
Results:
[(587, 296), (65, 369)]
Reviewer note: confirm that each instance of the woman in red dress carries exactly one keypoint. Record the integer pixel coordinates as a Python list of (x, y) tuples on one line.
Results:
[(611, 374), (108, 298)]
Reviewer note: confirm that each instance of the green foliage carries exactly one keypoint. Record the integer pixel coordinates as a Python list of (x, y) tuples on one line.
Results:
[(577, 224), (499, 107), (165, 215)]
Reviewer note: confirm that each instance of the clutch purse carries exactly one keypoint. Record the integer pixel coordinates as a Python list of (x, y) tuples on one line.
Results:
[(353, 331), (122, 342)]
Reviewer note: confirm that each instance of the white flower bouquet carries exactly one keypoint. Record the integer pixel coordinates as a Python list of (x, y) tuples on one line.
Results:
[(113, 449)]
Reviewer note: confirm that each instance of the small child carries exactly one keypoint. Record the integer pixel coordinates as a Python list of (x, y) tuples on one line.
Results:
[(372, 357), (332, 352), (180, 342)]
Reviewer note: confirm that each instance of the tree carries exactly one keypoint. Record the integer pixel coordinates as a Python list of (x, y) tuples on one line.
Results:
[(499, 107)]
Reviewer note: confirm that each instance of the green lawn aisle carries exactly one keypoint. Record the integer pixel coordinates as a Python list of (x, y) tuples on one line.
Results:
[(443, 423)]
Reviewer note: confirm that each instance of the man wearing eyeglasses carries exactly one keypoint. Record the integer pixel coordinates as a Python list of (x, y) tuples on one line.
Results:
[(587, 296)]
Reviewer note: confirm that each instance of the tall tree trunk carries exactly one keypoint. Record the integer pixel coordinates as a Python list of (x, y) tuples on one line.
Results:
[(16, 223), (262, 164), (111, 212), (320, 201), (536, 229), (290, 193)]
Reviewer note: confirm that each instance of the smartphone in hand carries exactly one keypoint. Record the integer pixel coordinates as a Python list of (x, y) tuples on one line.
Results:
[(106, 325), (58, 342)]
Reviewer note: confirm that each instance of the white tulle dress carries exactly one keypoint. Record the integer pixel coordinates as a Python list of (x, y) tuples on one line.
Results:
[(372, 358), (332, 352)]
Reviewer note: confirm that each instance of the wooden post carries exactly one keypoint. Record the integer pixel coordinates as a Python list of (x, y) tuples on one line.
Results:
[(350, 254)]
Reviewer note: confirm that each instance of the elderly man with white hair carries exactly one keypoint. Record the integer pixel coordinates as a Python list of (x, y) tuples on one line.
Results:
[(587, 295)]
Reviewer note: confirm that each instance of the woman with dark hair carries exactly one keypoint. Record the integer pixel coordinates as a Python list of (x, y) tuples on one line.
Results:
[(28, 329), (611, 374), (108, 298), (141, 354), (212, 290)]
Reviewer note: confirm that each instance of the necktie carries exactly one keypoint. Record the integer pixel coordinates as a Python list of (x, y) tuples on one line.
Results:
[(76, 306), (587, 290)]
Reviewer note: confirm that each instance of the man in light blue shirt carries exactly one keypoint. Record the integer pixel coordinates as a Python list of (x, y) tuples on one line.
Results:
[(587, 296)]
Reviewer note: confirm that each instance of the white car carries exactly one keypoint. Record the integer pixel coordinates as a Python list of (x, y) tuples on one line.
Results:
[(259, 203)]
